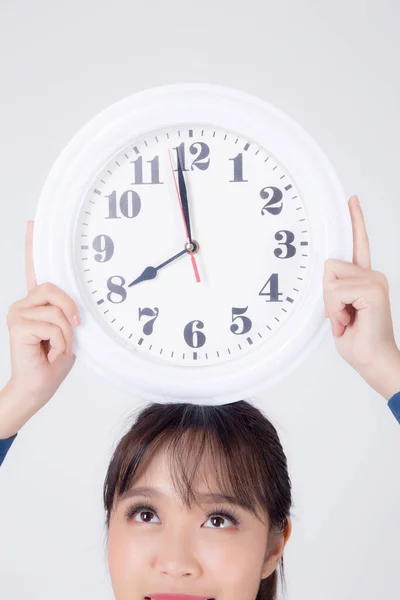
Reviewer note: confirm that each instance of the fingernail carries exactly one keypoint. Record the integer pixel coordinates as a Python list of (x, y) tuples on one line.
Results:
[(75, 320), (356, 201)]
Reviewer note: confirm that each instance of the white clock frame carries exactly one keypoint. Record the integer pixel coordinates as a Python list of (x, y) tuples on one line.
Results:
[(103, 136)]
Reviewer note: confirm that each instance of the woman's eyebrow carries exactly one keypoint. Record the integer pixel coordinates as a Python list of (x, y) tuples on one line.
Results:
[(205, 498)]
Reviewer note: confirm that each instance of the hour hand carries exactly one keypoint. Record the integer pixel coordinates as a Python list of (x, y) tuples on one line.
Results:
[(148, 273), (151, 272)]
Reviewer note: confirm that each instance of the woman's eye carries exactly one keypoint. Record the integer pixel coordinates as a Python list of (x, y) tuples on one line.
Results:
[(216, 517), (139, 509), (146, 512), (139, 513)]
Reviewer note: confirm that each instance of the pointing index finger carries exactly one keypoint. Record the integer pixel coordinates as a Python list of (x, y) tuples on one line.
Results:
[(29, 268), (361, 250)]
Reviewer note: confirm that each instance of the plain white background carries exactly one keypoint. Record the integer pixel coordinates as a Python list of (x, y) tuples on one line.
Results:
[(334, 68)]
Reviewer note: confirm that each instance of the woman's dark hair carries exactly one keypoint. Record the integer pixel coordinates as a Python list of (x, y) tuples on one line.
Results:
[(249, 461)]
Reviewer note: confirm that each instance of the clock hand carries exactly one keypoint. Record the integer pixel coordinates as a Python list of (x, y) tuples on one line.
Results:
[(151, 272), (183, 196), (190, 247)]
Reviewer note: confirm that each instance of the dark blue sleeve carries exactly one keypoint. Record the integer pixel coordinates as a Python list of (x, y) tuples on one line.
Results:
[(394, 405), (5, 446)]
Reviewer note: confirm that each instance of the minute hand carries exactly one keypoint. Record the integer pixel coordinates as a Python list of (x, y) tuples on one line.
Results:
[(189, 245), (184, 200)]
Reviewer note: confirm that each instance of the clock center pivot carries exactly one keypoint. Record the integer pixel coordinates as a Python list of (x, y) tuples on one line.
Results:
[(194, 246)]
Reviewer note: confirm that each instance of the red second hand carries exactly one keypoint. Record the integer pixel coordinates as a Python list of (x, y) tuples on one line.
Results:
[(196, 271)]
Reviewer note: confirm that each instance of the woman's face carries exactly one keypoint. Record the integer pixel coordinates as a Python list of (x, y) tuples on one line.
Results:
[(172, 549)]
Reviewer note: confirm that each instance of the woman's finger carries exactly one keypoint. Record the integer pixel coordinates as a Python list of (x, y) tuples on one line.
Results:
[(51, 314), (48, 293), (335, 268), (358, 292), (361, 250), (337, 328), (344, 317), (33, 332)]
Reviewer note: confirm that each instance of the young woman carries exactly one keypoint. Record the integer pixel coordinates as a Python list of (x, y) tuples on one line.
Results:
[(193, 470)]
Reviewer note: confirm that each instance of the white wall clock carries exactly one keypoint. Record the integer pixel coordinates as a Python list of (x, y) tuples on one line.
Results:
[(191, 223)]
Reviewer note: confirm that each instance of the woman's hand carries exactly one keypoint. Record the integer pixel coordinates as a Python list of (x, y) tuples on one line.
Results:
[(357, 302), (41, 336)]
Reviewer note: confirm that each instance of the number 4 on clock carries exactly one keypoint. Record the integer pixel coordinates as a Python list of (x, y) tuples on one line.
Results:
[(274, 285)]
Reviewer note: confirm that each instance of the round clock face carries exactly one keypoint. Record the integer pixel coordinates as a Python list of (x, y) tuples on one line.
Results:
[(250, 232), (266, 210)]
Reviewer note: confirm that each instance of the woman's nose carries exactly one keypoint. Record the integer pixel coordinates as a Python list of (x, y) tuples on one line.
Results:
[(177, 552)]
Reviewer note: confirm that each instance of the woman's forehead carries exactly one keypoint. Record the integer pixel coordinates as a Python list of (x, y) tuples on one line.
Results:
[(157, 474)]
